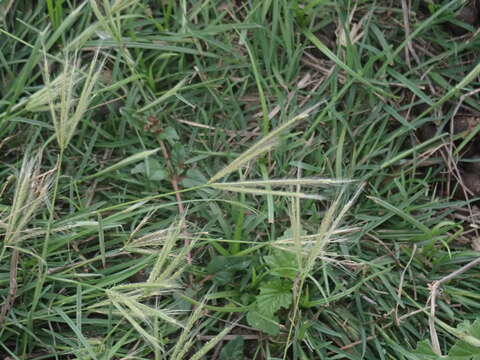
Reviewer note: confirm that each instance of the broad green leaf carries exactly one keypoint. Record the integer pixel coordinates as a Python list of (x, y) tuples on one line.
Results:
[(193, 177), (228, 262), (224, 267), (233, 350), (472, 329), (465, 348), (464, 332), (424, 351), (262, 322), (151, 169), (274, 295), (169, 133), (464, 351), (282, 263)]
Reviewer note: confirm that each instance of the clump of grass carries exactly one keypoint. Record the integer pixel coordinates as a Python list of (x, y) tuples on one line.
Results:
[(67, 104), (32, 189), (31, 192), (289, 211)]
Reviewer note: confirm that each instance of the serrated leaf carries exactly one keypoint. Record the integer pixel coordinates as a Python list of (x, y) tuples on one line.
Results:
[(267, 324), (472, 329), (466, 349), (233, 350), (282, 263), (464, 332), (274, 295)]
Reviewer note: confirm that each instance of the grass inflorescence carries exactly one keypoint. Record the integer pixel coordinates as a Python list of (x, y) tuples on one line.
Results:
[(238, 180)]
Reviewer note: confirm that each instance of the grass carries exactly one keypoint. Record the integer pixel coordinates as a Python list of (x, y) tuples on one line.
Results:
[(235, 179)]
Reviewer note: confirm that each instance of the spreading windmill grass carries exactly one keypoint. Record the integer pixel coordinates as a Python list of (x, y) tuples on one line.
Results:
[(237, 180)]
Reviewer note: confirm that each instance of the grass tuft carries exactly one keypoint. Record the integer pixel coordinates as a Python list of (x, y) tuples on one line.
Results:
[(239, 180)]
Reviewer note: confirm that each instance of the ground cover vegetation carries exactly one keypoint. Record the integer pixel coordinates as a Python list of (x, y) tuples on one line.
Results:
[(239, 179)]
